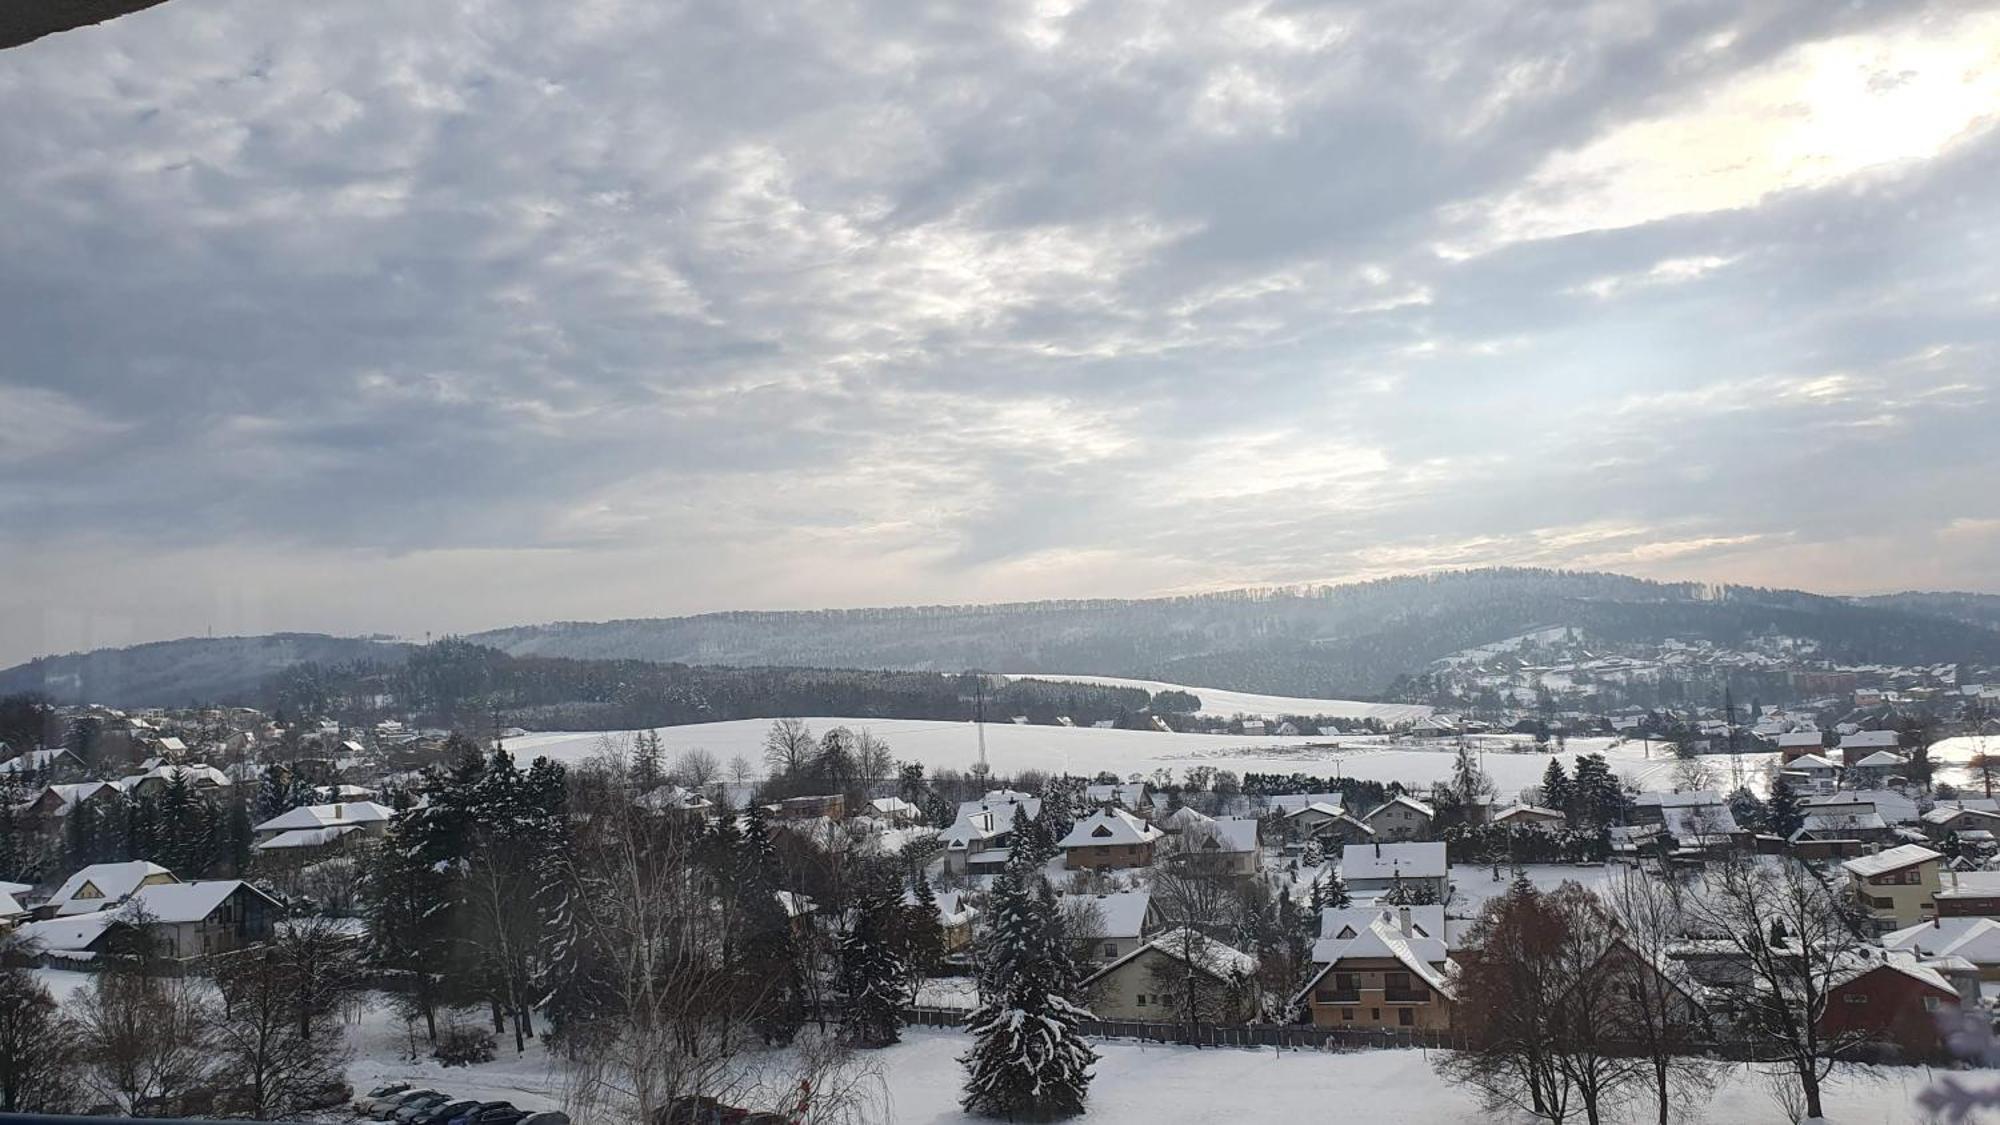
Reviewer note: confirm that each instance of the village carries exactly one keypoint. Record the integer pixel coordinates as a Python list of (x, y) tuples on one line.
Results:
[(1200, 907)]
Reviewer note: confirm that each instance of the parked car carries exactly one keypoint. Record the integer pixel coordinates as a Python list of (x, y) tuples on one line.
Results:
[(708, 1111), (546, 1117), (366, 1102), (385, 1108), (466, 1117), (442, 1112), (413, 1106), (502, 1114)]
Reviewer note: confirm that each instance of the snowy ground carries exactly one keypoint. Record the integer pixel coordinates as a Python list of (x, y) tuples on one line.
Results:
[(1228, 704), (1136, 1084), (1513, 761)]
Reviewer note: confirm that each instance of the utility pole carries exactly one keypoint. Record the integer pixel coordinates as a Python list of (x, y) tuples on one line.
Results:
[(979, 718)]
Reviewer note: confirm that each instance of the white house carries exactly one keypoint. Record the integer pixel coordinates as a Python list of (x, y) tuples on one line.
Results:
[(1371, 870), (103, 885), (368, 816), (1123, 920)]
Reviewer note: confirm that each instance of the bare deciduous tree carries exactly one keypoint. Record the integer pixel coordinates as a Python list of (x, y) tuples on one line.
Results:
[(789, 748), (1660, 1015), (37, 1045)]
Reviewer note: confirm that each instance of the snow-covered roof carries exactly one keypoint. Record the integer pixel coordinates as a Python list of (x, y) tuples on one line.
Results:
[(1810, 763), (893, 806), (1128, 794), (9, 908), (307, 837), (1344, 923), (1512, 811), (33, 760), (1794, 739), (68, 935), (1110, 827), (114, 881), (1701, 824), (1226, 834), (1182, 818), (73, 793), (1383, 938), (1906, 964), (1120, 915), (1969, 884), (1332, 812), (1975, 939), (1203, 953), (325, 816), (1391, 861), (1692, 797), (1895, 859), (1882, 759), (989, 816), (194, 774), (1870, 739), (1840, 821), (1405, 800), (1293, 802), (187, 902), (671, 798), (1945, 813)]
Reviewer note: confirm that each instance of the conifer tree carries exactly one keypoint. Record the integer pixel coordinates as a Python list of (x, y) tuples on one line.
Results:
[(871, 968), (1782, 812), (1557, 792), (1027, 1060)]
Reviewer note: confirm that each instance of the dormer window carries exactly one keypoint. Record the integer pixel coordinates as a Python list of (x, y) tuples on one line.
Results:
[(1101, 832)]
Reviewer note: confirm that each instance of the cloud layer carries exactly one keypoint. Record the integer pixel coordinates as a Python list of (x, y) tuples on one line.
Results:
[(422, 317)]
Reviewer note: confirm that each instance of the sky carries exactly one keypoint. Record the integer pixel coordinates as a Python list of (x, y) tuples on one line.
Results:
[(375, 316)]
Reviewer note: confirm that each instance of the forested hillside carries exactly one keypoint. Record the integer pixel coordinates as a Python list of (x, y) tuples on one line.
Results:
[(194, 670)]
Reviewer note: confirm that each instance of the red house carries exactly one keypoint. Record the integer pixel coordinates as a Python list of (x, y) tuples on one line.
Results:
[(1898, 1002)]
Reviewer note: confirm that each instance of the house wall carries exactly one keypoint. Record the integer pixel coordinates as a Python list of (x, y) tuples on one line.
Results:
[(1104, 857), (1893, 1005), (1133, 992), (1357, 993), (1966, 906), (1399, 822), (1899, 898)]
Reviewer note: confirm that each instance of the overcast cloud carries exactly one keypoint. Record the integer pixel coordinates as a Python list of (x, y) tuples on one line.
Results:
[(372, 315)]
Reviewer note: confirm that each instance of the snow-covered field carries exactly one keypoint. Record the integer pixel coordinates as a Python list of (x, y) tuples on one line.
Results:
[(1225, 704), (1136, 1084), (1513, 761)]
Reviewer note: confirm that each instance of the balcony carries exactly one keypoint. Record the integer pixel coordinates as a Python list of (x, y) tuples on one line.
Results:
[(1406, 996), (1337, 996)]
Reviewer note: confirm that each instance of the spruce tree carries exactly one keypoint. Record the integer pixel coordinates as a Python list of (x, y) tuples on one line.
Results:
[(1782, 812), (767, 981), (1557, 792), (871, 969), (1028, 1061)]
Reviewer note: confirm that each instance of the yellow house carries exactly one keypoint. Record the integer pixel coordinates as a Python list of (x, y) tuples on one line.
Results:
[(103, 885), (1388, 975), (1160, 980), (1895, 888)]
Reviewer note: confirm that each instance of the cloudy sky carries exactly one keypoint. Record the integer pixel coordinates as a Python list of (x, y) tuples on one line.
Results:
[(372, 315)]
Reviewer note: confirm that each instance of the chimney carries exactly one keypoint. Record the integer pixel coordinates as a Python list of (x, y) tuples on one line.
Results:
[(1403, 921), (336, 812)]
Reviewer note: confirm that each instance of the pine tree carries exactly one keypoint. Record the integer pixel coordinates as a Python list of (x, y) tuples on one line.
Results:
[(767, 981), (1557, 792), (648, 771), (924, 932), (1782, 813), (1329, 892), (871, 971), (1027, 1061)]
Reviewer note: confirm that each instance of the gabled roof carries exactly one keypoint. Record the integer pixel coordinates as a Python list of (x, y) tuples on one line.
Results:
[(1525, 810), (1334, 812), (1203, 953), (1390, 861), (9, 908), (1110, 827), (1895, 859), (1882, 759), (326, 816), (1182, 818), (1793, 739), (1975, 939), (1946, 813), (1867, 739), (1810, 762), (1405, 800), (115, 881), (74, 934), (1121, 915), (1292, 802), (36, 760), (1226, 834), (188, 902), (1383, 939), (307, 837)]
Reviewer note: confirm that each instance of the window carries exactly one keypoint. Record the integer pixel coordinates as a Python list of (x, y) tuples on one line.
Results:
[(1142, 1000), (1398, 982), (1406, 1017), (1375, 1014), (1111, 949), (1347, 1014), (1855, 998), (1930, 1003)]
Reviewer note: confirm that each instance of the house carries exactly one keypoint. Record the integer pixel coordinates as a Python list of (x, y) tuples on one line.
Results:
[(1977, 940), (1108, 839), (955, 917), (1128, 796), (1795, 743), (1144, 984), (674, 800), (55, 802), (1836, 832), (1700, 830), (832, 806), (1179, 820), (103, 885), (1894, 888), (1292, 802), (370, 818), (12, 913), (1119, 922), (895, 810), (1878, 768), (306, 844), (1343, 830), (1960, 816), (1341, 924), (1401, 817), (204, 918), (74, 936), (1854, 747), (1896, 808), (1227, 844), (1530, 816), (1813, 772), (1897, 1000), (978, 840), (1968, 894), (1387, 975), (1305, 820), (156, 778), (1371, 870), (43, 764)]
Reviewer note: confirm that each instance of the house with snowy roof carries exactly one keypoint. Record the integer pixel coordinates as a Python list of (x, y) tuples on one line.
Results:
[(1895, 998), (1226, 845), (101, 886), (1895, 888), (1175, 821), (1977, 940), (43, 764), (980, 840), (156, 778), (1144, 984), (1130, 796), (1119, 923), (1385, 973), (1289, 803), (1530, 816), (1372, 870), (368, 817), (1109, 839), (1860, 744), (1878, 768), (203, 918), (1401, 817)]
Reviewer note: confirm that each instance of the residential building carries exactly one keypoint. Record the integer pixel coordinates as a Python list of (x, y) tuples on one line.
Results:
[(1145, 984), (1176, 821), (1530, 816), (1959, 816), (1130, 796), (1894, 888), (1976, 940), (1898, 1000), (1878, 768), (205, 918), (1854, 747), (1388, 975), (832, 806), (1401, 817), (1292, 802), (368, 817), (103, 885), (44, 765), (1371, 870), (1968, 894), (1109, 839), (894, 810), (1120, 922), (1343, 830), (1229, 844)]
